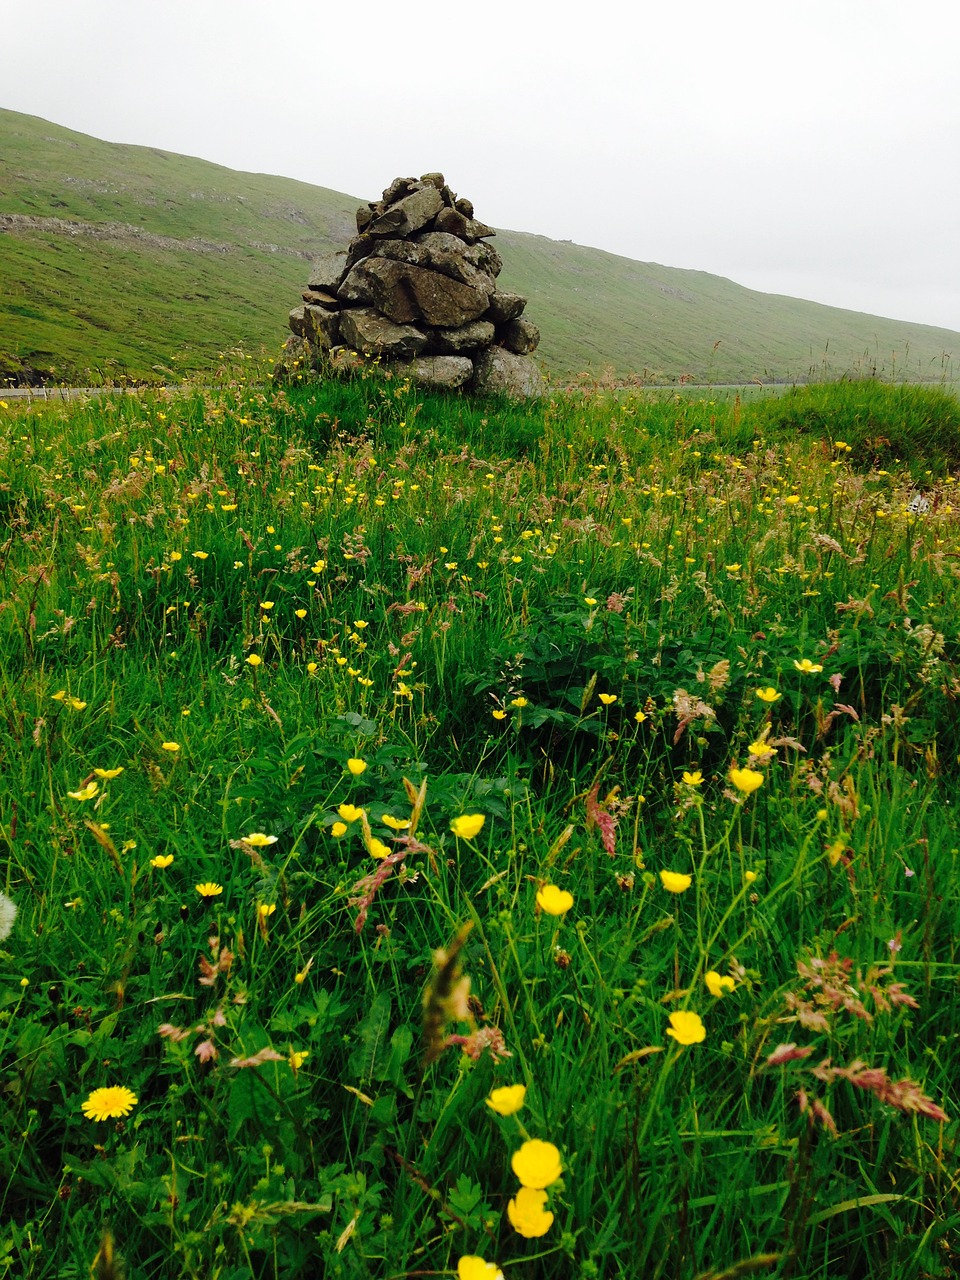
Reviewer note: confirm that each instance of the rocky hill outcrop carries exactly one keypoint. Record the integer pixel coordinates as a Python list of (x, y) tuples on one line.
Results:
[(417, 289)]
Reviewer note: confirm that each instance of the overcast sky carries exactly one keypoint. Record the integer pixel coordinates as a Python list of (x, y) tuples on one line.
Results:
[(804, 147)]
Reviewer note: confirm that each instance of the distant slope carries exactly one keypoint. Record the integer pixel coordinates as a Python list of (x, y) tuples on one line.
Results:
[(129, 261)]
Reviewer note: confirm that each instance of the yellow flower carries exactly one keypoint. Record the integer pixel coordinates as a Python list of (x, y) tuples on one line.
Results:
[(527, 1213), (467, 825), (107, 774), (536, 1164), (640, 717), (808, 667), (109, 1104), (356, 766), (266, 909), (266, 604), (590, 601), (75, 704), (769, 694), (349, 812), (297, 1058), (300, 613), (173, 747), (749, 876), (338, 829), (254, 660), (209, 890), (554, 901), (607, 698), (201, 555), (519, 702), (733, 568), (507, 1100), (85, 793), (470, 1267), (498, 714), (377, 849), (686, 1028), (675, 881), (397, 824), (161, 860), (259, 840), (746, 780), (693, 779), (717, 985)]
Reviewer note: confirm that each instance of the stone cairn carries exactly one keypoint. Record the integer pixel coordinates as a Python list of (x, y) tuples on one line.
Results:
[(416, 289)]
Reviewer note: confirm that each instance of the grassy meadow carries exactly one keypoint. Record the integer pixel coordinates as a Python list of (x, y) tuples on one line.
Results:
[(474, 839)]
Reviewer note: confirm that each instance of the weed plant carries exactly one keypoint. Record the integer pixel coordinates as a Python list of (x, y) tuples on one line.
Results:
[(441, 837)]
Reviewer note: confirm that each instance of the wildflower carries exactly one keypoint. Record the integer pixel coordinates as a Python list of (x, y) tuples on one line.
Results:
[(519, 702), (397, 824), (109, 1103), (8, 914), (161, 861), (254, 660), (85, 793), (338, 829), (527, 1213), (349, 812), (608, 699), (746, 780), (507, 1100), (537, 1164), (267, 604), (266, 909), (769, 694), (470, 1267), (300, 613), (377, 849), (686, 1028), (258, 840), (301, 976), (172, 747), (675, 881), (717, 985), (297, 1058), (694, 779), (209, 890), (554, 901), (108, 774), (590, 601), (640, 716), (356, 766), (467, 825), (733, 568), (201, 555), (498, 714), (749, 876), (808, 667)]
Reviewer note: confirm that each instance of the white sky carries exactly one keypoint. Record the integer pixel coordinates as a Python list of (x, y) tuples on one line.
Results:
[(805, 147)]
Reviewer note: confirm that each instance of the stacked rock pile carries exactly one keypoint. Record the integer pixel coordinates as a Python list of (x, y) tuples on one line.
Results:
[(417, 288)]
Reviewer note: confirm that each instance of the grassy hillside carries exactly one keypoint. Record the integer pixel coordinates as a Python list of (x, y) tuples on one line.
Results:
[(130, 261)]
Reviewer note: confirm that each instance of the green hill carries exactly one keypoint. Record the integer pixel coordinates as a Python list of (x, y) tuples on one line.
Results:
[(120, 261)]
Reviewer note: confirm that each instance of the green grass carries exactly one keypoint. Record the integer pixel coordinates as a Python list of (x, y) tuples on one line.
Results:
[(557, 616), (150, 286)]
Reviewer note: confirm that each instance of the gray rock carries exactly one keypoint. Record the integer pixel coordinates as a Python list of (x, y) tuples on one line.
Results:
[(321, 327), (505, 306), (407, 215), (404, 292), (441, 372), (467, 337), (317, 298), (520, 336), (434, 180), (500, 372), (327, 271), (373, 334)]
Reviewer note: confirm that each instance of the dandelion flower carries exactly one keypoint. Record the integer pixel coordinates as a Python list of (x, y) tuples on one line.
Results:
[(769, 694), (109, 1104), (808, 667), (258, 840), (467, 825), (161, 861), (507, 1100), (536, 1163), (527, 1214), (675, 881), (356, 766), (717, 985), (686, 1028), (554, 901), (746, 780), (470, 1267), (208, 890), (693, 779)]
